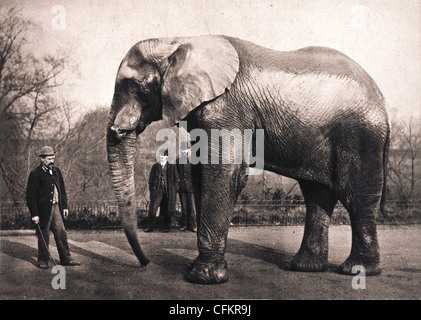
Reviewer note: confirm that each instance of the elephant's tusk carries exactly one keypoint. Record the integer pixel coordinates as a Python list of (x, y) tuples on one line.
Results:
[(120, 132)]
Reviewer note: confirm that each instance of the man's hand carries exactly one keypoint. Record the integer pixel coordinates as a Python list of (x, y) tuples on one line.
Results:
[(65, 213), (35, 219)]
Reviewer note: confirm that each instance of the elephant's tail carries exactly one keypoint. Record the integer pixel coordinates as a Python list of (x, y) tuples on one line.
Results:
[(385, 162)]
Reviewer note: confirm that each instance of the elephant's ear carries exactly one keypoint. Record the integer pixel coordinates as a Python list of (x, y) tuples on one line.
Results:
[(199, 70)]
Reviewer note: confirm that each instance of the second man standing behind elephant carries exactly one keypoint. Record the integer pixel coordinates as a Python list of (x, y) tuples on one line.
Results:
[(185, 191)]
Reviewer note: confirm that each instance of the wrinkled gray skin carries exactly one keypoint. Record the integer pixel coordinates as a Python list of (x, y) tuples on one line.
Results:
[(325, 125)]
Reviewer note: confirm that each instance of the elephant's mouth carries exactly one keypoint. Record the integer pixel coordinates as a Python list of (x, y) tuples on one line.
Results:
[(120, 133)]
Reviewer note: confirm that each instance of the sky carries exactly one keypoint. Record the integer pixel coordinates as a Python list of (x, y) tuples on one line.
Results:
[(383, 36)]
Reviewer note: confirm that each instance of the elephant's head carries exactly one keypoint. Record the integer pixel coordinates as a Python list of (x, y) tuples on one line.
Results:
[(160, 79)]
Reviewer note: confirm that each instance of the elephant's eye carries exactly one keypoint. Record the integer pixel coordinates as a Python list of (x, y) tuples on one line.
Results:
[(130, 85), (135, 88)]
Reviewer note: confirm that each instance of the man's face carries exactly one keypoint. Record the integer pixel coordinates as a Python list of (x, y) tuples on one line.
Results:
[(185, 152), (48, 161), (163, 158)]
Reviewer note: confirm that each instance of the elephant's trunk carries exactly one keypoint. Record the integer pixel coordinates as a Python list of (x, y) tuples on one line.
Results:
[(121, 153)]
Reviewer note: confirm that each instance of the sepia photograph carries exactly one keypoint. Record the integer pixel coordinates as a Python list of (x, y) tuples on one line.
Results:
[(203, 156)]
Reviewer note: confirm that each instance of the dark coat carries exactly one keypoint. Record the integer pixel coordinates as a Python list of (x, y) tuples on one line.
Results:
[(172, 183), (185, 173), (40, 192)]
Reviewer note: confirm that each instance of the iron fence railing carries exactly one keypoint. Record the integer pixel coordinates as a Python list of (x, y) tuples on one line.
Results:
[(246, 213), (292, 212)]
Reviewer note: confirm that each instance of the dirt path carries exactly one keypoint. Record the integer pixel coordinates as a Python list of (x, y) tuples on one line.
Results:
[(256, 258)]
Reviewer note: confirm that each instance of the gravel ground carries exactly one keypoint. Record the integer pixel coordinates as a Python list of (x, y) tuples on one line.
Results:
[(256, 258)]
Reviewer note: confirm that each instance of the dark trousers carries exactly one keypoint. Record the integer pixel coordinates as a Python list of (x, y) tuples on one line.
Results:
[(56, 225), (188, 212), (159, 200)]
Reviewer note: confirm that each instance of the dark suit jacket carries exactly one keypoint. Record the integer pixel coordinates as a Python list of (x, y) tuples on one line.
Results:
[(185, 173), (40, 192), (172, 183)]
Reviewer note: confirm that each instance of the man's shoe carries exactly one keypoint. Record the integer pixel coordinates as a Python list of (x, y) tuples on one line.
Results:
[(192, 229), (183, 229), (43, 265), (148, 229), (71, 263)]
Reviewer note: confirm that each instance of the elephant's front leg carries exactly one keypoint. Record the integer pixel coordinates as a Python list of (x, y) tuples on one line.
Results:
[(221, 184)]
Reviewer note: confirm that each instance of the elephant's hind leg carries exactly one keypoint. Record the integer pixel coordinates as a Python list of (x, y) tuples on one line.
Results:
[(360, 193), (365, 248), (313, 253)]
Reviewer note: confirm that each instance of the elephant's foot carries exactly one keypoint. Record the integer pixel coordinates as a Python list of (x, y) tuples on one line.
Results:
[(195, 261), (307, 263), (207, 272), (352, 266)]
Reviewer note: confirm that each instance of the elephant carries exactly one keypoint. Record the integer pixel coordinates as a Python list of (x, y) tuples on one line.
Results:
[(325, 125)]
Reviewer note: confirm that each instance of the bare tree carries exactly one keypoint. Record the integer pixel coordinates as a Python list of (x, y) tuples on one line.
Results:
[(83, 157), (27, 85), (403, 171)]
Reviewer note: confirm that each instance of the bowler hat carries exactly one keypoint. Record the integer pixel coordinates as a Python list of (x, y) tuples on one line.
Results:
[(163, 152), (46, 151)]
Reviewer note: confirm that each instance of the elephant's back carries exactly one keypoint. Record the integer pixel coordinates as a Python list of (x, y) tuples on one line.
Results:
[(306, 61), (325, 60)]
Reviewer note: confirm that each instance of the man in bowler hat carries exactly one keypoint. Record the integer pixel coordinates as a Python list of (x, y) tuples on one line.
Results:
[(47, 202), (163, 186)]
